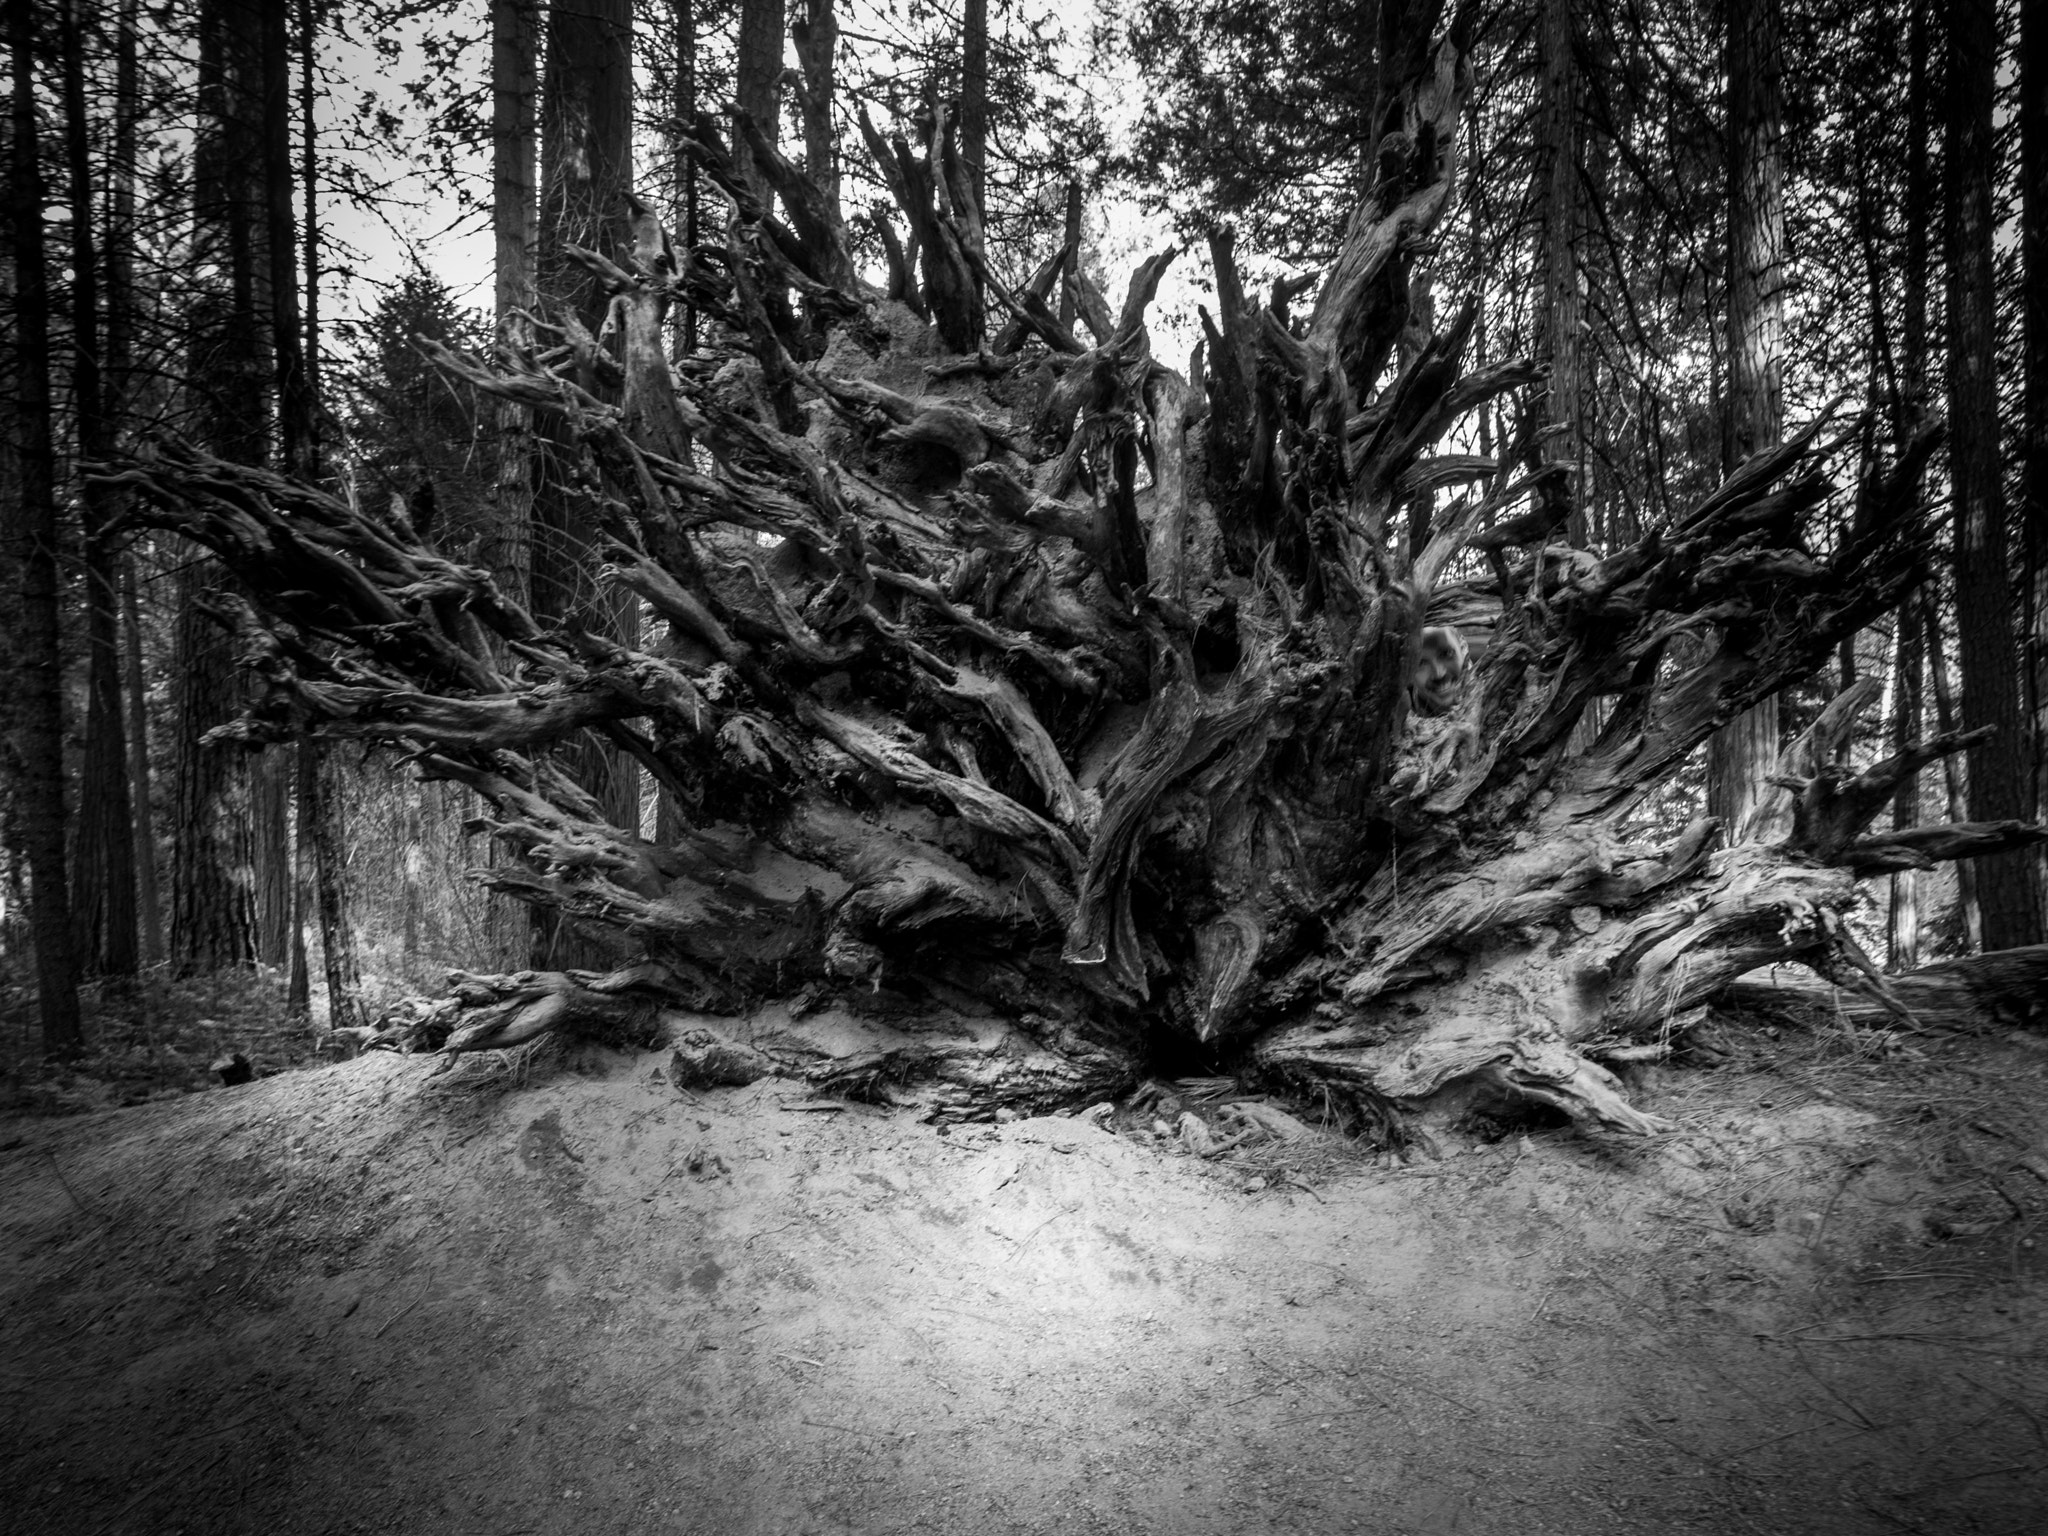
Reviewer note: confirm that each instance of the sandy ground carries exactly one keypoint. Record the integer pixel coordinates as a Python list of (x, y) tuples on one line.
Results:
[(367, 1299)]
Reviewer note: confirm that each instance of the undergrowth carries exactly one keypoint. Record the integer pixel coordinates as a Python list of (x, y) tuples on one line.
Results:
[(157, 1037)]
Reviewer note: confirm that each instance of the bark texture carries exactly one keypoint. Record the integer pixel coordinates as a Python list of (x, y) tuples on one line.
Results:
[(36, 713), (586, 169), (103, 853), (1741, 752), (1561, 324), (1903, 911), (2000, 773), (320, 823), (2033, 114), (515, 221), (2006, 987), (148, 888), (272, 771), (1036, 716), (757, 69), (123, 393), (212, 909), (687, 184), (974, 97)]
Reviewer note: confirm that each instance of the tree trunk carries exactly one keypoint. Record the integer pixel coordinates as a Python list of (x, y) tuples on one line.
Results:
[(298, 1000), (816, 37), (586, 155), (271, 772), (974, 100), (122, 398), (1070, 285), (103, 852), (686, 168), (1560, 170), (149, 892), (282, 248), (310, 14), (231, 376), (1918, 403), (1741, 753), (409, 880), (213, 916), (2001, 776), (303, 450), (1066, 724), (515, 217), (274, 896), (2007, 987), (507, 549), (1971, 916), (2033, 113), (1903, 923), (668, 809), (816, 40), (1909, 411), (38, 707), (757, 71), (1560, 322), (322, 817), (586, 151)]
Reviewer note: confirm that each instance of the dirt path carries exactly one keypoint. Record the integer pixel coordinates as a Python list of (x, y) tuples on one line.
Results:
[(361, 1299)]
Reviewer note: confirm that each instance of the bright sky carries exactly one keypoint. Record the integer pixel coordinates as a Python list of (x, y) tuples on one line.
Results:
[(423, 220)]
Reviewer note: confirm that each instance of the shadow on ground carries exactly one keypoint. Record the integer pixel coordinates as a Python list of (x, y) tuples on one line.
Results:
[(368, 1299)]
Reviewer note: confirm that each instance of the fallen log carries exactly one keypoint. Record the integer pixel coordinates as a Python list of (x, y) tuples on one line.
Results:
[(2003, 989)]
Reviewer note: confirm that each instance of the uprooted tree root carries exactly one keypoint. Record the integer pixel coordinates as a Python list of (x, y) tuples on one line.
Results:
[(1022, 702)]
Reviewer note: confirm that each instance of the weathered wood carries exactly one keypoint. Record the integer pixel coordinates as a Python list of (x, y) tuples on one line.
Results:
[(2002, 987), (1029, 705)]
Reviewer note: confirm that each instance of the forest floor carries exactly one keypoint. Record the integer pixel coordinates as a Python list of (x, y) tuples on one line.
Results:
[(157, 1037), (572, 1298)]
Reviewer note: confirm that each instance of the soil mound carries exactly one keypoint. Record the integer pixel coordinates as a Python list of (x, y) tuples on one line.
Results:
[(578, 1299)]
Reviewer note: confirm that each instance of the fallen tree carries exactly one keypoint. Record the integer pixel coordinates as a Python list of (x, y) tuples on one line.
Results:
[(1038, 715), (2002, 988)]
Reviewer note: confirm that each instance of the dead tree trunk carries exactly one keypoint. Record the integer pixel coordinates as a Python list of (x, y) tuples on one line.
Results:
[(2001, 988), (1036, 714)]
